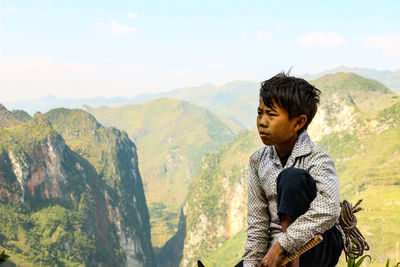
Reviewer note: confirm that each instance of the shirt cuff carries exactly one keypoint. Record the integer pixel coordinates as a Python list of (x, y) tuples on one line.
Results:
[(247, 263), (284, 242)]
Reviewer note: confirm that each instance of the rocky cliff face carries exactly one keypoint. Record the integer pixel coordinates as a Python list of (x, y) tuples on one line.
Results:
[(171, 136), (66, 161), (348, 103), (215, 209), (7, 118), (216, 206), (36, 163)]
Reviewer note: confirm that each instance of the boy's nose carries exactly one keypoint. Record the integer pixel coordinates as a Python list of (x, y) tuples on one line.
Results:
[(264, 122)]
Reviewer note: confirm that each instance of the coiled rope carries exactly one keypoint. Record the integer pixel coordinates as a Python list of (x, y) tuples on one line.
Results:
[(354, 241)]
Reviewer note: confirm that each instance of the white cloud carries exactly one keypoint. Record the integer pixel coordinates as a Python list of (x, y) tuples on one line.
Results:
[(132, 15), (245, 35), (262, 35), (390, 45), (113, 28), (120, 29), (11, 9), (278, 27), (322, 39)]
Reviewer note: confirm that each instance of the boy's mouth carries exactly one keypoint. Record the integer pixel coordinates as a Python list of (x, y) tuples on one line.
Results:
[(263, 134)]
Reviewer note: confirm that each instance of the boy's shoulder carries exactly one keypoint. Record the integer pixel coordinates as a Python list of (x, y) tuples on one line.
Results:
[(256, 157), (317, 155), (306, 146)]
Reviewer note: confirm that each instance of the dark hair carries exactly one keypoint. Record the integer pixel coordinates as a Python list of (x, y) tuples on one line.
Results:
[(295, 95)]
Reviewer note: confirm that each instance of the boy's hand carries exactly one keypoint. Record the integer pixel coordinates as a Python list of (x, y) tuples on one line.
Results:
[(274, 256)]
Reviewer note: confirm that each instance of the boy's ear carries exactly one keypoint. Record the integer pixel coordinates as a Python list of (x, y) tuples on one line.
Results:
[(300, 122)]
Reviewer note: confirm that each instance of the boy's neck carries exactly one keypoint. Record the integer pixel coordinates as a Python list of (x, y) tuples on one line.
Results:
[(286, 148)]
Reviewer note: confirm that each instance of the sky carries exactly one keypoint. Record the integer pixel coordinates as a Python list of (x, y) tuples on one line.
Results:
[(89, 48)]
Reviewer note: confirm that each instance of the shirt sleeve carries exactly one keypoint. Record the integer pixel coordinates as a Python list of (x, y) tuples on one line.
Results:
[(257, 219), (324, 209)]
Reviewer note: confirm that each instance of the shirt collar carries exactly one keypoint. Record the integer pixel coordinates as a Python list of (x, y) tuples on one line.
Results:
[(303, 146)]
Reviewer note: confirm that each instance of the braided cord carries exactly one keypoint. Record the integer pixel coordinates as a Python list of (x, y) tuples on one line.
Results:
[(309, 245), (354, 241)]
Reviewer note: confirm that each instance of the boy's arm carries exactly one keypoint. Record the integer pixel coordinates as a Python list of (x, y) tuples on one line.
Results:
[(257, 220), (324, 209)]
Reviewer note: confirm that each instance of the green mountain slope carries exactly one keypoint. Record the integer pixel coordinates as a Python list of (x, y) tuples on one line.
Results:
[(236, 102), (35, 177), (229, 254), (368, 169), (365, 147), (390, 116), (114, 157), (390, 79), (59, 207), (216, 205), (348, 82), (171, 136), (349, 103), (7, 118), (21, 115)]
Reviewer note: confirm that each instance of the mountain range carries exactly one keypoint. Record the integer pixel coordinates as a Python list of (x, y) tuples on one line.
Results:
[(78, 199), (171, 136), (391, 79), (357, 124), (236, 93)]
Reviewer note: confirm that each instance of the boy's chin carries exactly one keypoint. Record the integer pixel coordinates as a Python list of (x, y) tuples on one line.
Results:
[(267, 142)]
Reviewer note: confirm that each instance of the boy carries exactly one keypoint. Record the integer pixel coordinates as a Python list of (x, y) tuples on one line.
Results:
[(293, 189)]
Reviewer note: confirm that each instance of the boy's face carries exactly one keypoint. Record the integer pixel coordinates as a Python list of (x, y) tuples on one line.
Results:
[(275, 127)]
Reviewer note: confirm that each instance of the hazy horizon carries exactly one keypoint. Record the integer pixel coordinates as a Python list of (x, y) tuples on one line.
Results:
[(89, 49)]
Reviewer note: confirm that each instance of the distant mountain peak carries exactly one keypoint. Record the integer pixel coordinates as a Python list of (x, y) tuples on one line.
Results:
[(348, 82), (7, 118), (50, 97), (342, 75), (391, 79), (73, 118), (39, 117), (240, 85)]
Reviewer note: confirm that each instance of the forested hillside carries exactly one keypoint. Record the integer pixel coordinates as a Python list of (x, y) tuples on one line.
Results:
[(357, 124), (70, 193), (172, 136)]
